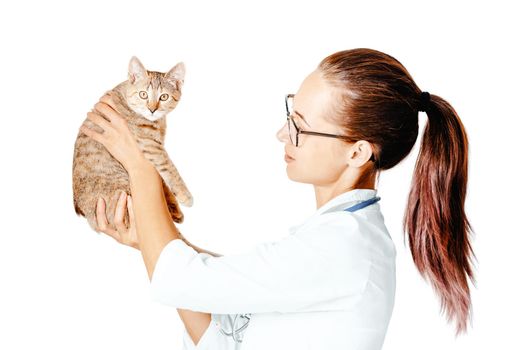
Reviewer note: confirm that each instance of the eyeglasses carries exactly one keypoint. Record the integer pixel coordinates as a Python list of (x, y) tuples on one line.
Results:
[(294, 130)]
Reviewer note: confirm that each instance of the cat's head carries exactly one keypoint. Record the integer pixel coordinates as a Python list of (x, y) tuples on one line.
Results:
[(153, 94)]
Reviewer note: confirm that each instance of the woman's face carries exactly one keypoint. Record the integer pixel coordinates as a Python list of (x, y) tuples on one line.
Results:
[(319, 160)]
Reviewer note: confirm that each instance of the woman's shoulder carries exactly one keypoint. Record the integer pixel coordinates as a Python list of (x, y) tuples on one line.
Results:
[(346, 222), (342, 223), (342, 232)]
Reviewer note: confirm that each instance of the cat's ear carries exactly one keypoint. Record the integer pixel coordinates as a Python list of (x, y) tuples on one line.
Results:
[(177, 74), (136, 70)]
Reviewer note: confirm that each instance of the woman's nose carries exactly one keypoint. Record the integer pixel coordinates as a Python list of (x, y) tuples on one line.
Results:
[(282, 134)]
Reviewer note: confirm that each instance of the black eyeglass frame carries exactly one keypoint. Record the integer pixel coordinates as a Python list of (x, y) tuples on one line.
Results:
[(299, 131)]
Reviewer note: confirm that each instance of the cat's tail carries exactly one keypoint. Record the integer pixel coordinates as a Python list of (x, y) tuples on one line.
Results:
[(77, 209)]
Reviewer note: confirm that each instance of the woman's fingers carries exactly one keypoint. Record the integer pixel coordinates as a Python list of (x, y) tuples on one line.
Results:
[(93, 134), (121, 233), (107, 98), (103, 224), (133, 230), (130, 210), (97, 119), (106, 106), (128, 236), (103, 105), (120, 214)]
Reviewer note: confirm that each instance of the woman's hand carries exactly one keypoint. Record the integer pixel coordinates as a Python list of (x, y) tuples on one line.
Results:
[(122, 234), (116, 137)]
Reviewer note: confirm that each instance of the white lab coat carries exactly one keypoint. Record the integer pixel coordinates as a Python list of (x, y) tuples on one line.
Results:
[(330, 284)]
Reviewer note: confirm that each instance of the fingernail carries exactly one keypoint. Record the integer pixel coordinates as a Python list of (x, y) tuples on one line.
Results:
[(123, 194)]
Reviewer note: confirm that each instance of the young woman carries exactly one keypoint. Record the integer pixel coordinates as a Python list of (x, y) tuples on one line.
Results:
[(330, 284)]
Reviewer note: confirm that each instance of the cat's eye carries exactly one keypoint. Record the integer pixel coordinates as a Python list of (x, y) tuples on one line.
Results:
[(143, 95), (164, 97)]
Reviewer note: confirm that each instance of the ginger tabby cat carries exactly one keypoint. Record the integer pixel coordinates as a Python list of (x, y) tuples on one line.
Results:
[(144, 100)]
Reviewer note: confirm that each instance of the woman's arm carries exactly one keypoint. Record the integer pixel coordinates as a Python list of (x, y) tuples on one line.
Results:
[(197, 249), (153, 221), (155, 228), (154, 225)]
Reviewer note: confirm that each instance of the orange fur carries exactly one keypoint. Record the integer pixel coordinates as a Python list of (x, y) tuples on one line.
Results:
[(96, 173)]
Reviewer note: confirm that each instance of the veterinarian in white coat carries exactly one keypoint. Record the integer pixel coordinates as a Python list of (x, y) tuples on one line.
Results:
[(329, 284)]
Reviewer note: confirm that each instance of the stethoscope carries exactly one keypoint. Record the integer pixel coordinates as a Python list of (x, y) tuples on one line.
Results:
[(248, 316), (234, 330)]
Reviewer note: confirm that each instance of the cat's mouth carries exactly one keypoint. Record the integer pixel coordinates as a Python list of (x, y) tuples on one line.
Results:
[(151, 116)]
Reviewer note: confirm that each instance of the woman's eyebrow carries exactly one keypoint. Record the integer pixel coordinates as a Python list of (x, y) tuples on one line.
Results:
[(302, 117)]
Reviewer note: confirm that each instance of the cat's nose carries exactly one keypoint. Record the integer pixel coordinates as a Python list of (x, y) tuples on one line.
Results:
[(152, 106)]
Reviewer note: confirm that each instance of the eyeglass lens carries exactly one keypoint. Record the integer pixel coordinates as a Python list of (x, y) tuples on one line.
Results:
[(292, 131), (289, 102)]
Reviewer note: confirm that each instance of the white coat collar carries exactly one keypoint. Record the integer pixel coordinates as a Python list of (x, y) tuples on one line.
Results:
[(340, 202)]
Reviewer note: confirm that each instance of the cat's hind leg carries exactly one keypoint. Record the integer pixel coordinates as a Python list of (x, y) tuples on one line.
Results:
[(172, 204)]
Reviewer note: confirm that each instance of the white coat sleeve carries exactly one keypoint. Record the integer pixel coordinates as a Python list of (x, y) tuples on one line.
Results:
[(325, 268)]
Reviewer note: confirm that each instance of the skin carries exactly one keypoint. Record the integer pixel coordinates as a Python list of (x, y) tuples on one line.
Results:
[(329, 164)]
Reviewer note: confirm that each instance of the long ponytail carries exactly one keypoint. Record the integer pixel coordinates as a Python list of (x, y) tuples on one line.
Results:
[(435, 219)]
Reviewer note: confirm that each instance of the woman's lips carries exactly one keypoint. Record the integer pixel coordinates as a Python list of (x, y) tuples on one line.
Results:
[(288, 158)]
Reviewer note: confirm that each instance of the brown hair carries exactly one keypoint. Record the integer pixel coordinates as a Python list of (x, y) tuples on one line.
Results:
[(377, 100)]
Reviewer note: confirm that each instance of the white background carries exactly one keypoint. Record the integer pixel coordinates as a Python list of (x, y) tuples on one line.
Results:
[(65, 287)]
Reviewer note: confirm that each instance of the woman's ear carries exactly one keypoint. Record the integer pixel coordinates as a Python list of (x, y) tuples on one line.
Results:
[(361, 152)]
